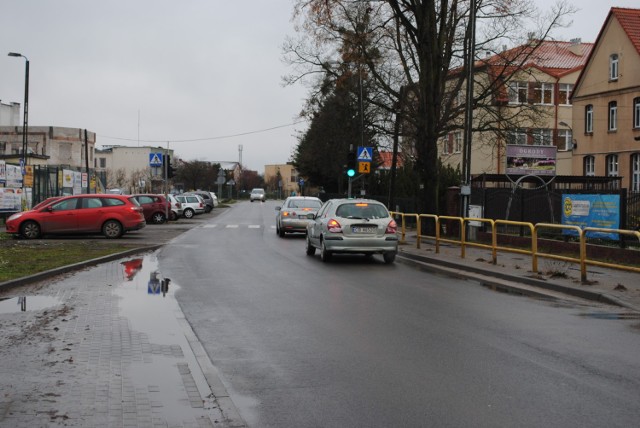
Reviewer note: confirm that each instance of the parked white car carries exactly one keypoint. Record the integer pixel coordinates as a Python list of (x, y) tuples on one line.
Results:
[(191, 205)]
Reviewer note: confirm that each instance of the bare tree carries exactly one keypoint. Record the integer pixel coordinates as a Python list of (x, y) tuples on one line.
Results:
[(417, 53)]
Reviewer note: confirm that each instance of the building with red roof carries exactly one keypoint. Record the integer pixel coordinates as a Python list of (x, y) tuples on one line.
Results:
[(606, 103), (531, 92)]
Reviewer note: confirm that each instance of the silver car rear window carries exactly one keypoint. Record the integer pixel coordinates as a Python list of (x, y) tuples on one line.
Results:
[(362, 210)]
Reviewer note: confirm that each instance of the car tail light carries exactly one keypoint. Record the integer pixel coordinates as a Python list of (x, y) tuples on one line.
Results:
[(287, 214), (334, 226), (392, 227)]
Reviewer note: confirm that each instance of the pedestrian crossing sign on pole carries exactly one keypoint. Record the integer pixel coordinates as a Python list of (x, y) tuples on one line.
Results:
[(365, 154), (155, 159)]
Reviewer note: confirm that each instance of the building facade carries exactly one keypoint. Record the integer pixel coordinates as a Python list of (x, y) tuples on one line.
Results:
[(531, 105), (283, 178), (48, 145), (132, 169), (9, 114), (606, 103)]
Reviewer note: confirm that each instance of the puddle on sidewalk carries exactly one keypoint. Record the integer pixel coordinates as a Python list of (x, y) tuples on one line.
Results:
[(27, 303), (170, 371)]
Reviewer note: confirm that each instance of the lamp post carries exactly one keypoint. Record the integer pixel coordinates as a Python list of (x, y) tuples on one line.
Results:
[(25, 125)]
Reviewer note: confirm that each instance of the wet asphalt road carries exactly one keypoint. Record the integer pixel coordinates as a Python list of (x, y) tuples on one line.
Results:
[(356, 342)]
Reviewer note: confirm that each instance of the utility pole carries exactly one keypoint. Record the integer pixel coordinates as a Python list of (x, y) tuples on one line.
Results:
[(465, 188)]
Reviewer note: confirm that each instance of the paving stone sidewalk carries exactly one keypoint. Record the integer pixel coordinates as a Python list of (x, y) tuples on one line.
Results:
[(94, 349), (558, 279)]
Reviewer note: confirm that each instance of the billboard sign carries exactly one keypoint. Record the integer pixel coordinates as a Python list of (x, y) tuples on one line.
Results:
[(531, 160), (601, 211)]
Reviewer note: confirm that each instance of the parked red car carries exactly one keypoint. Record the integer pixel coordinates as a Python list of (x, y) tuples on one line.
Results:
[(155, 207), (46, 202), (111, 215)]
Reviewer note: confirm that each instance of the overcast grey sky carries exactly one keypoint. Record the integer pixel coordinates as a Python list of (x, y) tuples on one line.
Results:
[(161, 70)]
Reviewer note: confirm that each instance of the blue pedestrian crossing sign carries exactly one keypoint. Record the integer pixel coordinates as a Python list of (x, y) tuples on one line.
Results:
[(365, 154), (155, 159)]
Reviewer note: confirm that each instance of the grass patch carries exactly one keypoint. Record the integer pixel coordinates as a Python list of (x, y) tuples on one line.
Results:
[(19, 258)]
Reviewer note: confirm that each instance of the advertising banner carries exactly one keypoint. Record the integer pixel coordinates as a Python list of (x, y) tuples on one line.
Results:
[(601, 211), (531, 160), (10, 200)]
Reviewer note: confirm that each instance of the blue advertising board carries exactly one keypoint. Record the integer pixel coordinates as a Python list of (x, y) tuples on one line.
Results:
[(601, 211)]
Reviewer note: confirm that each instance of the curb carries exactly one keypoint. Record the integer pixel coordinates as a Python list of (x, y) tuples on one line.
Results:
[(508, 282)]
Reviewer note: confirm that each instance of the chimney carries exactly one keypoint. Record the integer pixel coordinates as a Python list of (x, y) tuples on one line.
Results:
[(576, 46)]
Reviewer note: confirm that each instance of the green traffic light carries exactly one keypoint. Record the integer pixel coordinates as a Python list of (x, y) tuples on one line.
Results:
[(351, 172)]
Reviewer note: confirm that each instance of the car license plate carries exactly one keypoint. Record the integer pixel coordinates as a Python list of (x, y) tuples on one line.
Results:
[(364, 229)]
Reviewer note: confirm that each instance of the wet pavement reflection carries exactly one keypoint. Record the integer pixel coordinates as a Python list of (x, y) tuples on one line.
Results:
[(175, 382)]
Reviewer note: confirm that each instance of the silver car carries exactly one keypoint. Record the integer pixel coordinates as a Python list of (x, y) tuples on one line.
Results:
[(293, 215), (258, 194), (191, 205), (353, 226)]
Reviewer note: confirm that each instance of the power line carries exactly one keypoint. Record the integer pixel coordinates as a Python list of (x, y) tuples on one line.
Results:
[(208, 138)]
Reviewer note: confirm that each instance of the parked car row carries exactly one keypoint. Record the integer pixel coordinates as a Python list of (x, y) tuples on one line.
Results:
[(110, 214), (340, 226), (187, 205)]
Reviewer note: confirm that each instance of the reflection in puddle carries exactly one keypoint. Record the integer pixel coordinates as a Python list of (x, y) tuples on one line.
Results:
[(169, 369), (27, 303)]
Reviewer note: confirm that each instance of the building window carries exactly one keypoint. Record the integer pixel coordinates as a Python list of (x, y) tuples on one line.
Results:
[(613, 116), (447, 146), (613, 67), (589, 166), (636, 113), (612, 166), (564, 97), (543, 93), (588, 119), (457, 142), (3, 147), (635, 172), (517, 136), (542, 137), (518, 92), (103, 162), (565, 140)]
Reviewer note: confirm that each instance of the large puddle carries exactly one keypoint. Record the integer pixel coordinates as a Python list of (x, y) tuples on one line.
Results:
[(174, 378)]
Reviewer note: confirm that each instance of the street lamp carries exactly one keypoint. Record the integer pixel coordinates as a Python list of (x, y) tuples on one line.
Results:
[(25, 125)]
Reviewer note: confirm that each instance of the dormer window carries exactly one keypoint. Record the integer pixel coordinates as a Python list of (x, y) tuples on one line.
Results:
[(613, 67)]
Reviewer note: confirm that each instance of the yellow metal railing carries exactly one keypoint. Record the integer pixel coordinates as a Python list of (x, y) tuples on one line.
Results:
[(584, 261), (494, 225)]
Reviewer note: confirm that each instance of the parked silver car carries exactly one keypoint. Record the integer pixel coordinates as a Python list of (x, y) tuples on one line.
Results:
[(207, 197), (191, 205), (293, 215), (353, 226)]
